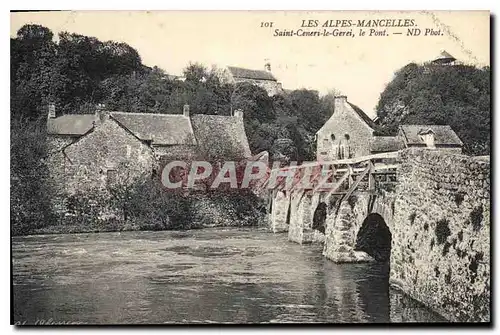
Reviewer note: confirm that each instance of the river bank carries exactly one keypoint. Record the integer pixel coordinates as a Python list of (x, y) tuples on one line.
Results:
[(156, 212)]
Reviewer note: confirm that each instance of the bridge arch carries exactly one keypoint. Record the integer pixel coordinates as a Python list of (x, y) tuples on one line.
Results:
[(374, 237), (319, 217)]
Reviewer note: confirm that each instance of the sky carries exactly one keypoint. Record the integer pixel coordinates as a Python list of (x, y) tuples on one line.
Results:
[(359, 67)]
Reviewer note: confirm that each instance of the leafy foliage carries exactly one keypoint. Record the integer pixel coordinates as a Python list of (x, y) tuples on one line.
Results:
[(457, 95), (78, 72), (30, 196)]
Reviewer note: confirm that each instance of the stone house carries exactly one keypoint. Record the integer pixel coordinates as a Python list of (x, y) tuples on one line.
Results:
[(262, 78), (346, 134), (350, 133), (440, 137), (90, 151)]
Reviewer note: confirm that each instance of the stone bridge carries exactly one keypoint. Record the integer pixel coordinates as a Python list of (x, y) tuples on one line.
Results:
[(426, 212)]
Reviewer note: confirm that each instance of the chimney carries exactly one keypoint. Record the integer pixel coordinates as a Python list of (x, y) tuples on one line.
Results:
[(101, 113), (267, 66), (339, 101), (52, 110), (238, 113), (185, 110)]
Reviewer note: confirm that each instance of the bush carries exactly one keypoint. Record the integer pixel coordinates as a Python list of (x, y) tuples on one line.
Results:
[(476, 216), (442, 231), (153, 208)]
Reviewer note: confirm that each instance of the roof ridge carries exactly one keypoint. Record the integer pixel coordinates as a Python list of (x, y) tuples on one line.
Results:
[(425, 125), (368, 120), (138, 113), (217, 115)]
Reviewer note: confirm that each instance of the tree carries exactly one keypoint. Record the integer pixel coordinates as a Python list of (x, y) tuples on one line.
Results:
[(30, 193), (85, 62), (434, 94), (307, 107), (195, 73), (254, 101), (33, 55)]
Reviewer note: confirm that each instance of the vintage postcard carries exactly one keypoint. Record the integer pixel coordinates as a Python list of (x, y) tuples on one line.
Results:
[(250, 167)]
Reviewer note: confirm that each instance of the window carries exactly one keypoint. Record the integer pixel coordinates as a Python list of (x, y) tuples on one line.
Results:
[(325, 141), (332, 137), (347, 137)]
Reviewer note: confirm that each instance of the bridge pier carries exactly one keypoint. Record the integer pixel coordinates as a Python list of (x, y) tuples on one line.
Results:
[(280, 211), (303, 206), (300, 230), (341, 232)]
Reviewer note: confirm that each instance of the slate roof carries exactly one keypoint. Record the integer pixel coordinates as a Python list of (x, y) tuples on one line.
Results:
[(385, 144), (218, 136), (239, 72), (443, 135), (161, 129), (221, 136), (363, 116), (70, 124)]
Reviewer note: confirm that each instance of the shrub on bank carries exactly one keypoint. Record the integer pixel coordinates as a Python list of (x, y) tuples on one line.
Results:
[(144, 205)]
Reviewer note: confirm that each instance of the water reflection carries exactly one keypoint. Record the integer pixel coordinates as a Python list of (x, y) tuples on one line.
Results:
[(211, 275)]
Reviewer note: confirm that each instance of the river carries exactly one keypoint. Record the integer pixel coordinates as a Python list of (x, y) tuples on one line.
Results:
[(215, 275)]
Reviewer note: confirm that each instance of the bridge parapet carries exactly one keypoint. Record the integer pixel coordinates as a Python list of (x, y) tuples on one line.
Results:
[(441, 246)]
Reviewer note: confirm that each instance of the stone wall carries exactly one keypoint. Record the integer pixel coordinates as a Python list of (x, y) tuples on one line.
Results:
[(56, 162), (441, 236)]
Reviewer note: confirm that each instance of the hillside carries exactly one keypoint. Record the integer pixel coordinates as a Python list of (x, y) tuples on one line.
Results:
[(456, 95)]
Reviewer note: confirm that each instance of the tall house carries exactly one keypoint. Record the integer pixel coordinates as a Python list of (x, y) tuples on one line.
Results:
[(346, 134)]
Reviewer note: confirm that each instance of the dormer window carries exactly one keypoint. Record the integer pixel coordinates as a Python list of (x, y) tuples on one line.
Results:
[(427, 136)]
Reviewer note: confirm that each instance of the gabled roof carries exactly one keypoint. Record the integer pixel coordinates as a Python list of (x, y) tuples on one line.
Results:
[(70, 124), (363, 116), (161, 129), (221, 136), (444, 57), (443, 135), (239, 72), (425, 131), (385, 144), (218, 136)]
